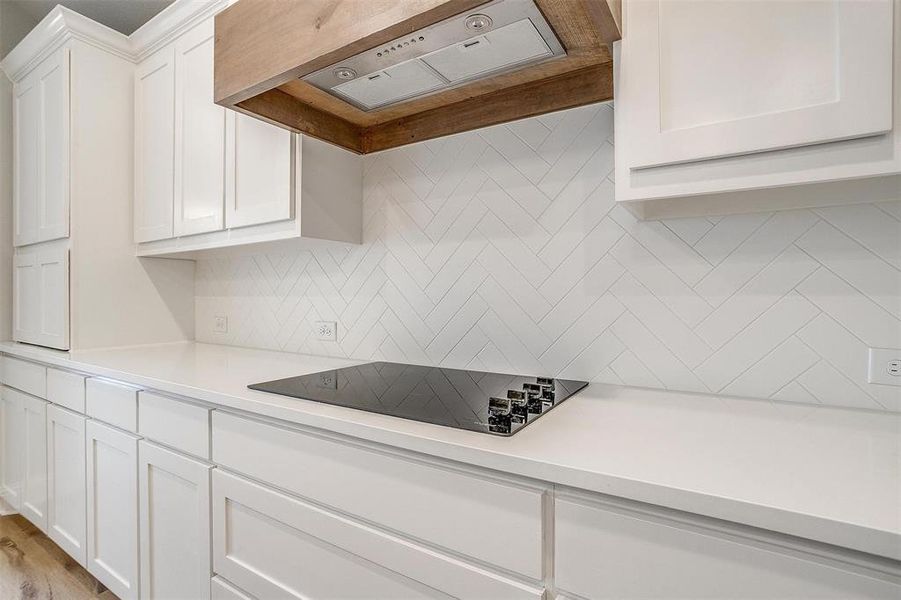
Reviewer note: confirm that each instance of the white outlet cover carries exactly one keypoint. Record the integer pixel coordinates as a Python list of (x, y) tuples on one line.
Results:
[(326, 331), (881, 362), (220, 324)]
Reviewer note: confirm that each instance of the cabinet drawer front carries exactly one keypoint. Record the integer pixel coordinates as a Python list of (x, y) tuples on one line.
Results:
[(423, 500), (274, 545), (609, 552), (26, 376), (174, 423), (66, 389), (113, 403)]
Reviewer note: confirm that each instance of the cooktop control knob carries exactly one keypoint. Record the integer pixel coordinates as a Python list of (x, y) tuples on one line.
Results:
[(533, 397), (499, 415), (518, 406)]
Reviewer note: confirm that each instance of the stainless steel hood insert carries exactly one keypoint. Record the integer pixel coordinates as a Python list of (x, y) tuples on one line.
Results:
[(498, 37)]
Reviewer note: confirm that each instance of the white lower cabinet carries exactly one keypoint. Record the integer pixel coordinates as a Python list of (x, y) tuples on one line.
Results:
[(66, 517), (611, 551), (11, 428), (277, 546), (34, 460), (174, 520), (112, 508)]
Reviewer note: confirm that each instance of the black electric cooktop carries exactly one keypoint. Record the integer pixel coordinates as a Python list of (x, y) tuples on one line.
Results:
[(493, 403)]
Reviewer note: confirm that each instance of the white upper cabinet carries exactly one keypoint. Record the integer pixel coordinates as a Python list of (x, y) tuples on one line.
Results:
[(206, 177), (41, 125), (154, 146), (723, 78), (730, 96), (257, 172), (199, 136)]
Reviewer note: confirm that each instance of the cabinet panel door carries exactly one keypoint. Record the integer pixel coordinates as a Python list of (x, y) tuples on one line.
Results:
[(175, 524), (707, 79), (154, 146), (112, 503), (26, 170), (53, 187), (199, 135), (66, 481), (11, 426), (34, 461), (258, 172), (41, 297)]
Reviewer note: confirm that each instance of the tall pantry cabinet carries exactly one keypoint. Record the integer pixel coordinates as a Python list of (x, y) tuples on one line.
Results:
[(77, 283)]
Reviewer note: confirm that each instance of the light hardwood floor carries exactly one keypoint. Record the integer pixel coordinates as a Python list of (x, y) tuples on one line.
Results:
[(32, 567)]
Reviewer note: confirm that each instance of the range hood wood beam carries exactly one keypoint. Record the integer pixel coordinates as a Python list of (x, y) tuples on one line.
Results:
[(263, 47), (569, 90)]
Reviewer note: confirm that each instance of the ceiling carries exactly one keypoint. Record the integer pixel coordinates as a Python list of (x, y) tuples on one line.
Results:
[(18, 17), (121, 15)]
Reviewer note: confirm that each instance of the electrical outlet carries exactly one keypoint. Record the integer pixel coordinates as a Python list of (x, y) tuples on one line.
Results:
[(328, 380), (326, 331), (220, 324), (885, 366)]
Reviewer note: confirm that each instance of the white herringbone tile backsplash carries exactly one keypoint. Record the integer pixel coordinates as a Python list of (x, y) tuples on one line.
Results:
[(503, 249)]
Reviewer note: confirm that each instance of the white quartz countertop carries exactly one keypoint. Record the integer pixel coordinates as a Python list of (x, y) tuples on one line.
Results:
[(826, 474)]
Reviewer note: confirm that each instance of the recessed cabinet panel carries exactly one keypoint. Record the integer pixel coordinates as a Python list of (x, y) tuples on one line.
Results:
[(174, 525), (700, 82), (34, 463), (259, 185), (66, 518), (53, 196), (112, 504), (199, 135), (154, 146), (26, 176), (11, 429)]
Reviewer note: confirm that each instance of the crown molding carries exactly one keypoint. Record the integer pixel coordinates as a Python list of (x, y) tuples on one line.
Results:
[(58, 27), (170, 23)]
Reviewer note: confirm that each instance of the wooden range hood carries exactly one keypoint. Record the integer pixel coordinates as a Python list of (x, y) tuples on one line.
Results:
[(264, 47)]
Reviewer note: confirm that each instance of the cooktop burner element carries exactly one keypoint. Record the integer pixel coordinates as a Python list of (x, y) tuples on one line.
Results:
[(496, 403)]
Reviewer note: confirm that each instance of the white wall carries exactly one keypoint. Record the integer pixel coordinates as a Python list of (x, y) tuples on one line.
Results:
[(503, 249)]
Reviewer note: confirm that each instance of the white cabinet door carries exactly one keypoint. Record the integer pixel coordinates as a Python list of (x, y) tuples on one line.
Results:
[(112, 505), (26, 173), (34, 460), (41, 297), (199, 136), (703, 79), (175, 524), (154, 146), (41, 124), (66, 481), (11, 427), (258, 182)]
